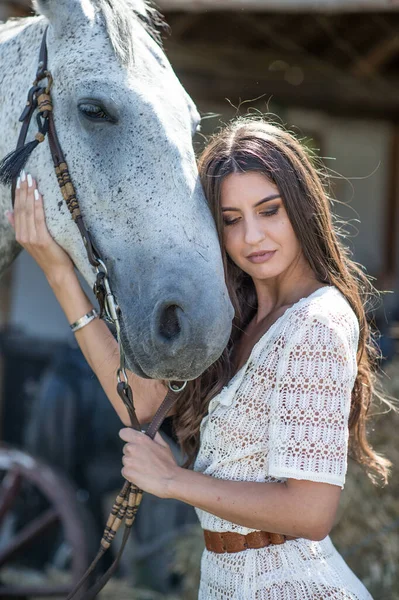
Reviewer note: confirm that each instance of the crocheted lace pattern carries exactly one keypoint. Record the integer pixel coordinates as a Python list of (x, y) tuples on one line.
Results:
[(285, 415)]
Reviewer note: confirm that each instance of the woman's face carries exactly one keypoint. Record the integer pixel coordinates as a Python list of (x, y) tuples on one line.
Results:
[(258, 235)]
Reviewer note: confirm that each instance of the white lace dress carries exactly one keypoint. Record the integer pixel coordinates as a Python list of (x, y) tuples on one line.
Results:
[(285, 415)]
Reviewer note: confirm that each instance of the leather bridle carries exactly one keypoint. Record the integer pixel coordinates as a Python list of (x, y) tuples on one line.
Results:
[(39, 99)]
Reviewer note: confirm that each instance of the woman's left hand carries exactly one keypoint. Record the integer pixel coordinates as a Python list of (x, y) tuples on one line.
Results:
[(148, 463)]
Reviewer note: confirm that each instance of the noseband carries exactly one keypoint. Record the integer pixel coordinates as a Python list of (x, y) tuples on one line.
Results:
[(39, 99)]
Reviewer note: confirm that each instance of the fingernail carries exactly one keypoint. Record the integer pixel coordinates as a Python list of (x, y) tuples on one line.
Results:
[(18, 183), (30, 182), (36, 194), (23, 175)]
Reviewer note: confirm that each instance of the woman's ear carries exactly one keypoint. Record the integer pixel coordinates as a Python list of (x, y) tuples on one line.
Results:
[(66, 15)]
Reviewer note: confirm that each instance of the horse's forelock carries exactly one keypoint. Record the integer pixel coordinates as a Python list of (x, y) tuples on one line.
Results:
[(120, 17)]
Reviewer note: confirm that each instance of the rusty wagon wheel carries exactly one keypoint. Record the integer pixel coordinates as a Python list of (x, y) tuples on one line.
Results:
[(20, 475)]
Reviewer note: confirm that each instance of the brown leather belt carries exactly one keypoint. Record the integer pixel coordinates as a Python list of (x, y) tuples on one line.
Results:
[(230, 541)]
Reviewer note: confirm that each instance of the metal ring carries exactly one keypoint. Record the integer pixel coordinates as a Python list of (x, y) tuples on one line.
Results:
[(118, 375), (174, 388), (102, 264)]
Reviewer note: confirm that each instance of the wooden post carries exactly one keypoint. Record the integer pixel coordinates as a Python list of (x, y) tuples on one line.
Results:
[(392, 212)]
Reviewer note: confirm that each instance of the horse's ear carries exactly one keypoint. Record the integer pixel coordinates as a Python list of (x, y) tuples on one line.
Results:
[(65, 15)]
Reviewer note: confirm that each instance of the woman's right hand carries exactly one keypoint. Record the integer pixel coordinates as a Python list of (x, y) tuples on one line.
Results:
[(31, 231)]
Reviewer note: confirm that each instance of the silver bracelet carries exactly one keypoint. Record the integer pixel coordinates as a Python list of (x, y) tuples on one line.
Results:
[(88, 318)]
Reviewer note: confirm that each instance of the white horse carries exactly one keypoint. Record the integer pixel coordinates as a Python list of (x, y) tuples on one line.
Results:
[(125, 124)]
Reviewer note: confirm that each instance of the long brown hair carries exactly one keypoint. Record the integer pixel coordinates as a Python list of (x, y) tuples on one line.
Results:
[(256, 145)]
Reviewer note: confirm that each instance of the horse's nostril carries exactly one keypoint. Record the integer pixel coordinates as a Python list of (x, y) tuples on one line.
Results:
[(169, 325)]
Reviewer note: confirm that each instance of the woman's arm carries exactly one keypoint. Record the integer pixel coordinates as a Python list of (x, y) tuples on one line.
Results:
[(95, 340), (298, 508), (101, 351)]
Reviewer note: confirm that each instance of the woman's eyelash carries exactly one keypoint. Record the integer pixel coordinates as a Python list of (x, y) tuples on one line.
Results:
[(266, 213), (269, 213)]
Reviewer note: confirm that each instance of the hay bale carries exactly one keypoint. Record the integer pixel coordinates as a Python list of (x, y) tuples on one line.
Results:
[(188, 551), (367, 525)]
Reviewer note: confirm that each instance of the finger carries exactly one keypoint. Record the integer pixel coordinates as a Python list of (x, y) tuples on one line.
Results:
[(29, 208), (40, 219), (128, 435), (125, 448), (42, 233), (19, 218), (126, 473)]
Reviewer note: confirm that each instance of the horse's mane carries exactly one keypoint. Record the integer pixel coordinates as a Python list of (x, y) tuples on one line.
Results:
[(120, 16)]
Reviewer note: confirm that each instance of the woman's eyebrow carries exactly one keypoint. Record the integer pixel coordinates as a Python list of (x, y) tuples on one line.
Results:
[(267, 199)]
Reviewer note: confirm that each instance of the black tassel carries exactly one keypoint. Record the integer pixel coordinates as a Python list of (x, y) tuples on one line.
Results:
[(13, 163)]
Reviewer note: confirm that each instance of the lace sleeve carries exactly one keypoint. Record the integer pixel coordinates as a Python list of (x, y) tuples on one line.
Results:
[(311, 404)]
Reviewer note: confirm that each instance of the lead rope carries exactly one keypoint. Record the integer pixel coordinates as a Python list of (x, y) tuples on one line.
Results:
[(128, 500)]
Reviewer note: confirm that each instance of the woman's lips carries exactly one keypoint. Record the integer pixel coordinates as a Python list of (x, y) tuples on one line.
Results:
[(261, 257)]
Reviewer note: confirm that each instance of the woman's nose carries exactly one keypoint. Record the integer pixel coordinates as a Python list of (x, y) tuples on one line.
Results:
[(253, 233)]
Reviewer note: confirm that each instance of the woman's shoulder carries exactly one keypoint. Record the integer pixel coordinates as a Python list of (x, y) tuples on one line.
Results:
[(323, 317), (326, 309)]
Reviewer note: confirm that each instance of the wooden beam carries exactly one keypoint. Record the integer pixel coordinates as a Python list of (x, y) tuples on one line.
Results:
[(278, 5), (290, 45), (216, 71), (375, 59), (392, 211), (260, 95)]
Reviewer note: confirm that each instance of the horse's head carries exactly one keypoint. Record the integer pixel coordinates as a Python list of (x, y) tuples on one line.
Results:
[(125, 124)]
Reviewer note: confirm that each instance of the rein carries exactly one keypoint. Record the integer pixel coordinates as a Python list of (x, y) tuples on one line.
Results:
[(128, 500)]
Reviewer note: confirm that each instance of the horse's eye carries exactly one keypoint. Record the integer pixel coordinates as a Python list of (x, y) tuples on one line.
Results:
[(95, 112)]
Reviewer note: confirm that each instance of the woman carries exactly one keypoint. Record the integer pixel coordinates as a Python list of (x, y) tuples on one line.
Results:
[(267, 425)]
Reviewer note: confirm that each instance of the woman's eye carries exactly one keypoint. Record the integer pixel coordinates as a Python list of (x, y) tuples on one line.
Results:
[(95, 112), (269, 213), (266, 213), (230, 221)]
